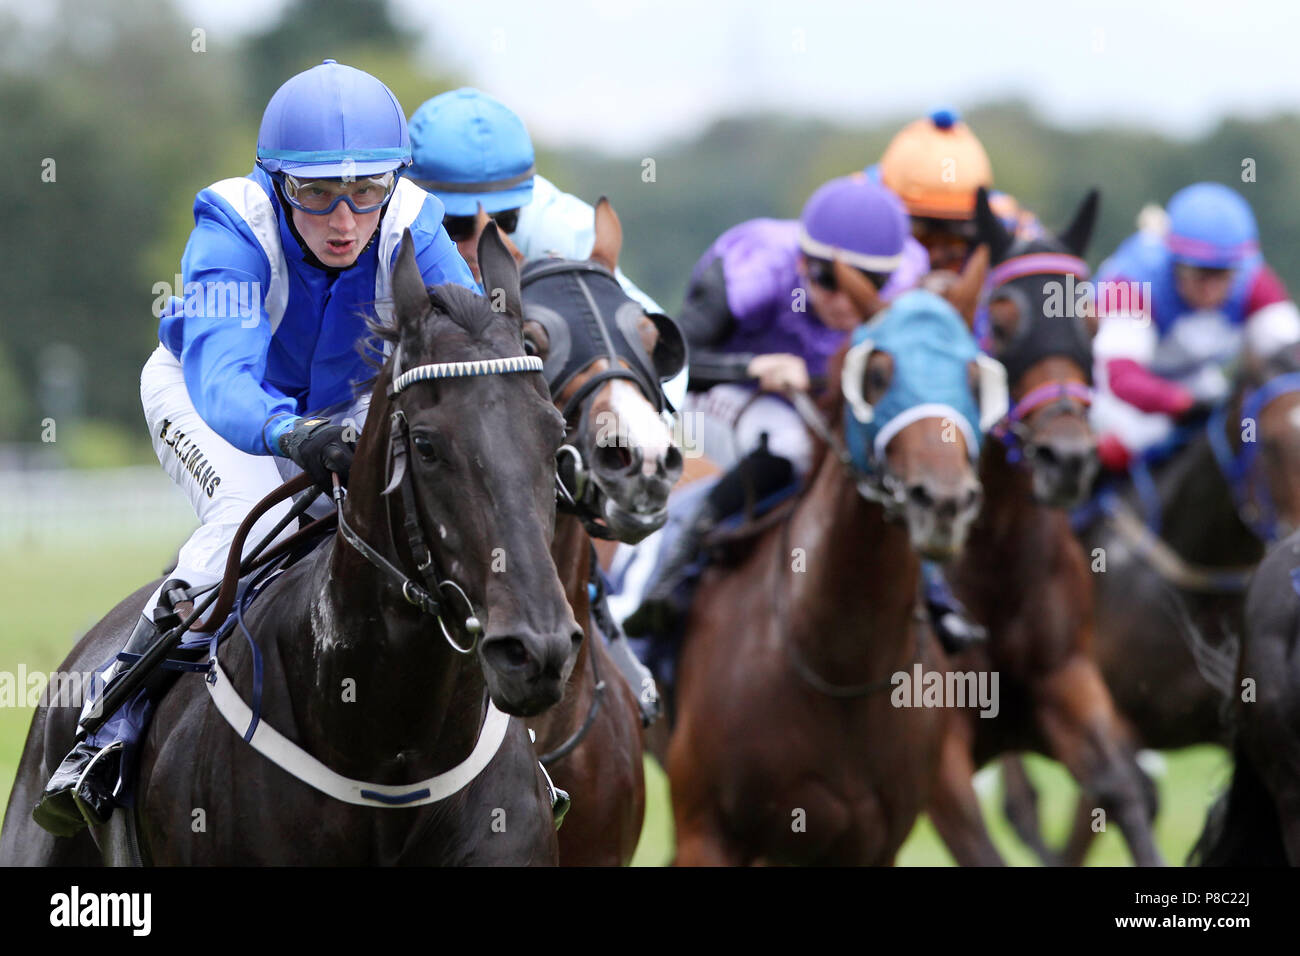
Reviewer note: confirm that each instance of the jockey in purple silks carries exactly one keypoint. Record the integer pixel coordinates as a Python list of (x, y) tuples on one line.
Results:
[(763, 315)]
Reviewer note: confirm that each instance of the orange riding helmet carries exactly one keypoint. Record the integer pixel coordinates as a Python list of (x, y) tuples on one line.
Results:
[(934, 165)]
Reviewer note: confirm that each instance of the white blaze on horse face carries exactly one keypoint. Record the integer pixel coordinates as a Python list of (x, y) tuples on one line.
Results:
[(639, 425)]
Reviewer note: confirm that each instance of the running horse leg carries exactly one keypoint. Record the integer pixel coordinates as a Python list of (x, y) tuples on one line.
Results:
[(954, 809), (1020, 807), (1084, 731)]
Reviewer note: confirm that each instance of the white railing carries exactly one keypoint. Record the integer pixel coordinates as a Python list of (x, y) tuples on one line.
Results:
[(48, 507)]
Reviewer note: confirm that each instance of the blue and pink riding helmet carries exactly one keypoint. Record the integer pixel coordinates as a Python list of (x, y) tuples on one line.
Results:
[(1211, 226), (856, 221), (333, 121)]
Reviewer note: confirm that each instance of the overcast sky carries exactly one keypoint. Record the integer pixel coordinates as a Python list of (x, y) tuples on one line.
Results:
[(626, 74)]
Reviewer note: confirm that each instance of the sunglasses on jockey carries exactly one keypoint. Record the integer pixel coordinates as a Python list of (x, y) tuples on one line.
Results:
[(822, 272), (933, 231), (319, 197), (460, 228)]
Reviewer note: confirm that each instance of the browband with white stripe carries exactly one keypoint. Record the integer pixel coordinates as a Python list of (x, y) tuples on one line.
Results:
[(495, 366)]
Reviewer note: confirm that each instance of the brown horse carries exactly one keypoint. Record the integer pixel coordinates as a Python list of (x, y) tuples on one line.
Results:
[(591, 742), (788, 746), (1170, 605), (1023, 574)]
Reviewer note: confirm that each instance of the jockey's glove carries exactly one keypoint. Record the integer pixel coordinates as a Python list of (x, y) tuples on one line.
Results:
[(319, 448)]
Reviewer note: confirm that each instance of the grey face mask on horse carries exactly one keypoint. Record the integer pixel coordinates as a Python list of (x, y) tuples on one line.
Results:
[(587, 316)]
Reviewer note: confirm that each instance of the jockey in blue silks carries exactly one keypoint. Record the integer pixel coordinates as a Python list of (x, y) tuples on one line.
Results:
[(1177, 301), (255, 377)]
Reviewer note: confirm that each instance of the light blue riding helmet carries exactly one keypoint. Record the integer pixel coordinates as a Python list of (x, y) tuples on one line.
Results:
[(333, 121), (468, 148)]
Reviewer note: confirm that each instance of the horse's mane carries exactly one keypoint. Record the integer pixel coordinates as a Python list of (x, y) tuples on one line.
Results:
[(465, 309), (831, 405)]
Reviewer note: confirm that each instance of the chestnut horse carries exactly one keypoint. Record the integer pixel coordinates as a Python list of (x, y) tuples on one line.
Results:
[(787, 746), (1023, 574), (622, 462)]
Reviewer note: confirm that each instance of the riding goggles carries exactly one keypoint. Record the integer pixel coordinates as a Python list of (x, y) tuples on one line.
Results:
[(822, 272), (460, 228), (319, 197)]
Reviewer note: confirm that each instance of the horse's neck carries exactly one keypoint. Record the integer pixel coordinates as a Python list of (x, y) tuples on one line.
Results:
[(381, 689), (571, 550), (850, 576), (1198, 514), (1008, 512)]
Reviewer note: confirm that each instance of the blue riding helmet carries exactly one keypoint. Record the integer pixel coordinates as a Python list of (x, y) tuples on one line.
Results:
[(333, 121), (932, 349), (469, 148), (1211, 226)]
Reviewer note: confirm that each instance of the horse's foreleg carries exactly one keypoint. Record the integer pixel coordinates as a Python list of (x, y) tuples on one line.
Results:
[(1020, 807), (954, 808), (1081, 833), (1084, 731)]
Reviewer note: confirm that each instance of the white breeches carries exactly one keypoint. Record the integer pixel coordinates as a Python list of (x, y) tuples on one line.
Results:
[(221, 482)]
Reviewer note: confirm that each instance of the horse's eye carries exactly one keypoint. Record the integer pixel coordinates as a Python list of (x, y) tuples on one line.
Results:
[(424, 447), (530, 347)]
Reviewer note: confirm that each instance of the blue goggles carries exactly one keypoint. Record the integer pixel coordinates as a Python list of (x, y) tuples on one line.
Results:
[(319, 197)]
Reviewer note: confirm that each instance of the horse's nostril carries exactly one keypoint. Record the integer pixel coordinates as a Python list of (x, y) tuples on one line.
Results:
[(671, 463), (613, 458), (507, 652), (973, 497), (920, 496)]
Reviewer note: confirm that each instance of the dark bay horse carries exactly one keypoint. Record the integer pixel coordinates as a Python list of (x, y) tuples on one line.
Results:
[(788, 747), (1023, 574), (604, 359), (1257, 821), (1171, 603), (353, 672)]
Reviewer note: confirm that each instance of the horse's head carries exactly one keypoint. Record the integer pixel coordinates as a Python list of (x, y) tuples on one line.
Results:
[(604, 359), (1255, 438), (472, 453), (913, 382), (1040, 323)]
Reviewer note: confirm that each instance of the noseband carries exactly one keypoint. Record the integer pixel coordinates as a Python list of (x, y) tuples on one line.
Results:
[(396, 471)]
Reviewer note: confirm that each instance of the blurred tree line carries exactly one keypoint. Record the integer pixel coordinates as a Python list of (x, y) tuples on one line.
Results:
[(115, 115)]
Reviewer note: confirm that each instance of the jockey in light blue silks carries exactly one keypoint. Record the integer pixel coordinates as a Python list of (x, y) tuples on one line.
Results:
[(471, 150), (255, 377)]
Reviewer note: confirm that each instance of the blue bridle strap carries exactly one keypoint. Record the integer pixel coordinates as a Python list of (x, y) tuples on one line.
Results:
[(1259, 514)]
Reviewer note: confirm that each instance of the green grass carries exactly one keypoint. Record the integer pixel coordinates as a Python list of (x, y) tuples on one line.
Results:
[(53, 594)]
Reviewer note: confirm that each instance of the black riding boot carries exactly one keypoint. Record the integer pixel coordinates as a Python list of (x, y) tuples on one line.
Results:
[(81, 789), (753, 478), (956, 629), (637, 675)]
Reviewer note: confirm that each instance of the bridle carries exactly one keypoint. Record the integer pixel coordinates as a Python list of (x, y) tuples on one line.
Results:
[(429, 595)]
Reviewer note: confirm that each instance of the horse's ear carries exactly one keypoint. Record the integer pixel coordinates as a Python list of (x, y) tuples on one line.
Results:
[(499, 271), (1079, 231), (964, 294), (410, 297), (990, 228), (609, 236)]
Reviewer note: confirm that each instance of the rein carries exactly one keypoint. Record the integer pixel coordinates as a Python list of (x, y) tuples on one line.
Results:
[(797, 661)]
